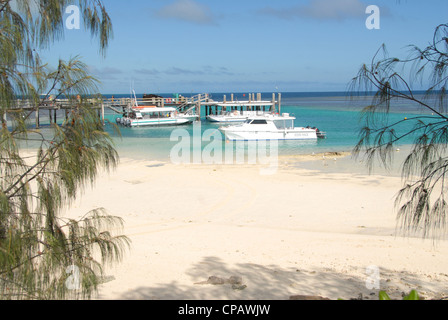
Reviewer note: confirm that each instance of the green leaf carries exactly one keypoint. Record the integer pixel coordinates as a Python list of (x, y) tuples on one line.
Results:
[(413, 295), (383, 296)]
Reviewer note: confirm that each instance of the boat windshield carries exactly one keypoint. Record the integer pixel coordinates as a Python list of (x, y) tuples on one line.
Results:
[(156, 115), (284, 124), (258, 121)]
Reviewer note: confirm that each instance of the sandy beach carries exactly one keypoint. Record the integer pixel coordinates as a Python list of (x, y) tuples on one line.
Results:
[(231, 232)]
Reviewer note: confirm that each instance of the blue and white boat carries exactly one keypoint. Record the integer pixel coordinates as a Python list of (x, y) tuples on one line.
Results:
[(154, 116), (151, 115)]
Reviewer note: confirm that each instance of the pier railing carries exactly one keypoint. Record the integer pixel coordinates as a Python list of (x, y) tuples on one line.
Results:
[(183, 104), (193, 102)]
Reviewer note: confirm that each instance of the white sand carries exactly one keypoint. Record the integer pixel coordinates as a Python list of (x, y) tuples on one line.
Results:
[(295, 232)]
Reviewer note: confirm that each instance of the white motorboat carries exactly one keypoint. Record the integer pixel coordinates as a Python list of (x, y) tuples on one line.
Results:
[(189, 116), (150, 115), (270, 127), (153, 116)]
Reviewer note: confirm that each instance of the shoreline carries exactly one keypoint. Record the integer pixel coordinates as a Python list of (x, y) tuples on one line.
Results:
[(339, 161), (345, 162)]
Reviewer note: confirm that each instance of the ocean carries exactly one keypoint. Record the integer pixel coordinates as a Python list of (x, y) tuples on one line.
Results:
[(332, 112)]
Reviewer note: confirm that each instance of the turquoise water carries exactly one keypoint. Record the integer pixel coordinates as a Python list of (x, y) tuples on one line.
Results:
[(332, 113)]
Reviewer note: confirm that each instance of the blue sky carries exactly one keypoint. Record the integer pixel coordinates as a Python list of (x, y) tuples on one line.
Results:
[(164, 46)]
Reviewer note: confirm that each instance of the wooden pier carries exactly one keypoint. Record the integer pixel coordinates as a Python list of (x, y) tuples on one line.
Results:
[(254, 103), (55, 107)]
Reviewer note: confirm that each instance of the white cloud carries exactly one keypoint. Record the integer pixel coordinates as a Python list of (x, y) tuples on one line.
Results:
[(320, 9), (189, 11)]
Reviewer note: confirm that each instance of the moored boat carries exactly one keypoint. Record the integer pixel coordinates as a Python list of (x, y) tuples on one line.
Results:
[(153, 116), (270, 127)]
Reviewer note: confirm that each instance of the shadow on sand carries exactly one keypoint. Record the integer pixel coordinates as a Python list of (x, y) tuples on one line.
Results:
[(259, 282)]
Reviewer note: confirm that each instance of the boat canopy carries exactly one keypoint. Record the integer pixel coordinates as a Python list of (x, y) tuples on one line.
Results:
[(156, 109)]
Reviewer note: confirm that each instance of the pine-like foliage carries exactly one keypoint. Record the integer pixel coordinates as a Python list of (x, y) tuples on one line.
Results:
[(422, 201), (43, 255)]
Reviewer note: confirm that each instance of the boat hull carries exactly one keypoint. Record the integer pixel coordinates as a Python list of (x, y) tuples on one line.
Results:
[(226, 119), (158, 122), (190, 118), (296, 134)]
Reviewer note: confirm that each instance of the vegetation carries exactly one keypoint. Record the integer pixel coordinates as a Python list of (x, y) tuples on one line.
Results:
[(413, 295), (422, 201), (42, 255)]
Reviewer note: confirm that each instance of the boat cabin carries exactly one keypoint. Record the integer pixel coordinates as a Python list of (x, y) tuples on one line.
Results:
[(152, 113), (281, 122)]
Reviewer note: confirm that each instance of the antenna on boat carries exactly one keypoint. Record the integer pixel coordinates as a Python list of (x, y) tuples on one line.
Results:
[(135, 97)]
